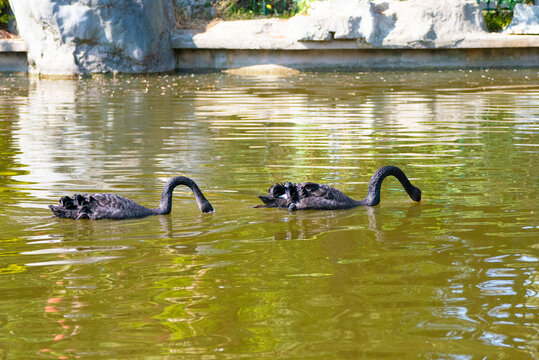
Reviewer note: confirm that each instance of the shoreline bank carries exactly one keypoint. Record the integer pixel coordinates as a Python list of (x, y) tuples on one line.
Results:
[(202, 52)]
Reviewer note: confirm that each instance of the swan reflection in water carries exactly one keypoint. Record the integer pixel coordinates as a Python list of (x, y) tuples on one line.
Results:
[(336, 224)]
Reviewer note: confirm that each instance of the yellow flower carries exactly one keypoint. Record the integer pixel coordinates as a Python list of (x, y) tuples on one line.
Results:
[(268, 6)]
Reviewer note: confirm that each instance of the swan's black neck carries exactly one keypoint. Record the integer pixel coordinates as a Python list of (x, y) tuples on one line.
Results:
[(375, 184), (166, 197)]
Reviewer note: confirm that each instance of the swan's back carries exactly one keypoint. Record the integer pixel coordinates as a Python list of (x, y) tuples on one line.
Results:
[(320, 196), (112, 206), (306, 195), (309, 189), (99, 206)]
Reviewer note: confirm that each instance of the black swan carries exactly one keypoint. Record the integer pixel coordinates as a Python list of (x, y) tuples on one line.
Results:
[(111, 206), (305, 196)]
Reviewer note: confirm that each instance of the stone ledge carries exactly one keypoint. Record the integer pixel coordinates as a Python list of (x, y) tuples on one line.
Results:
[(139, 37), (202, 52), (255, 40), (190, 39), (359, 59), (13, 55), (12, 45)]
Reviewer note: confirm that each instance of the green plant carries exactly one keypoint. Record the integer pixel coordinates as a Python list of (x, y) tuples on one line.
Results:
[(497, 5), (4, 17), (246, 9), (499, 13), (497, 20)]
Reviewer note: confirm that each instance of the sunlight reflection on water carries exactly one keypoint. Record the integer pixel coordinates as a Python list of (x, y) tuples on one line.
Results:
[(452, 277)]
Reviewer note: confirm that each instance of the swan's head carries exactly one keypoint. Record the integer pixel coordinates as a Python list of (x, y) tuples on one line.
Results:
[(415, 194), (206, 207)]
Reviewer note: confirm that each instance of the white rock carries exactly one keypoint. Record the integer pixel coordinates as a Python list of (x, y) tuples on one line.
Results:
[(411, 23), (525, 20), (337, 20), (426, 24), (92, 36)]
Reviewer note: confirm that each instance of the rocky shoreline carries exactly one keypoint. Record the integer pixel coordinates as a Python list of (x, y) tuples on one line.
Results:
[(79, 40)]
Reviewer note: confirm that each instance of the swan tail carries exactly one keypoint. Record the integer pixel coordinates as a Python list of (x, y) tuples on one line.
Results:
[(62, 212), (270, 201), (78, 207), (266, 200)]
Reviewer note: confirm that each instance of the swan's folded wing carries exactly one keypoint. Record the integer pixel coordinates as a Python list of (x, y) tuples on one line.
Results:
[(321, 191), (313, 189), (109, 200), (112, 206)]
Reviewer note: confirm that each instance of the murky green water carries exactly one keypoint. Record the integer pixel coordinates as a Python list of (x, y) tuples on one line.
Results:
[(454, 277)]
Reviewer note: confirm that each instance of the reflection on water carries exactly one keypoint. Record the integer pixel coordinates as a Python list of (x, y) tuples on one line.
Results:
[(452, 277)]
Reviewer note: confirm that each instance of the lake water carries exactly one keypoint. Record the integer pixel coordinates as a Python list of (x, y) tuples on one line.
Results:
[(452, 277)]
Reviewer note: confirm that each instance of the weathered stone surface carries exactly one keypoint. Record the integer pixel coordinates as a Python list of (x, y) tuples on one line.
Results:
[(415, 23), (370, 24), (427, 24), (82, 36), (12, 55), (12, 45), (241, 34), (91, 36), (338, 20), (525, 20), (195, 8)]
